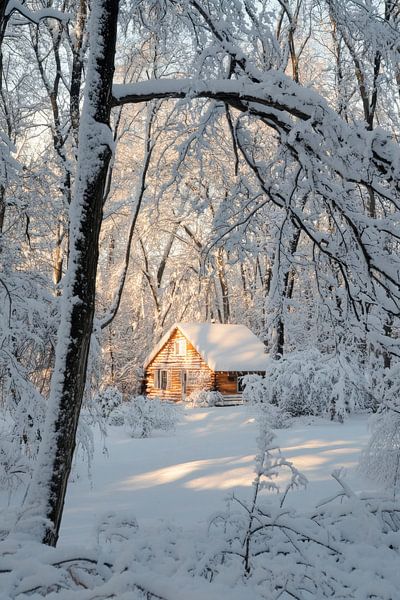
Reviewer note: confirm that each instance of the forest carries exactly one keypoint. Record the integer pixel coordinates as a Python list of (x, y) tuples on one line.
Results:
[(221, 161)]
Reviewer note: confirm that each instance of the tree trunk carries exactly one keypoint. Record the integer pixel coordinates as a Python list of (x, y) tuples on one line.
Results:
[(226, 312), (77, 68), (58, 259), (3, 24), (47, 492), (287, 293)]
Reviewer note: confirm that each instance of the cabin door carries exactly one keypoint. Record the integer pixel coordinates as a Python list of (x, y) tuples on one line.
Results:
[(184, 383)]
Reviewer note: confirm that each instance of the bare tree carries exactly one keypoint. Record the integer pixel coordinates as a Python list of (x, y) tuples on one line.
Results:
[(47, 491)]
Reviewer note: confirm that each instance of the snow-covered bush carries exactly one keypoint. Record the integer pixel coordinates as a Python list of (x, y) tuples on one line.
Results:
[(117, 416), (107, 400), (309, 383), (15, 465), (274, 416), (21, 426), (146, 414), (116, 527), (141, 415), (326, 553), (381, 459), (204, 398)]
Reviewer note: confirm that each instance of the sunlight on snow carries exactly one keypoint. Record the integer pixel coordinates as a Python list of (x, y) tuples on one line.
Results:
[(338, 451), (318, 443), (241, 476), (228, 472), (196, 416), (183, 470), (305, 462), (232, 471), (313, 454)]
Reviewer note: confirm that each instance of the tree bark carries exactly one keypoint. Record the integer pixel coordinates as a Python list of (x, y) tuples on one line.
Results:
[(3, 25), (47, 492), (287, 294), (77, 68), (221, 272)]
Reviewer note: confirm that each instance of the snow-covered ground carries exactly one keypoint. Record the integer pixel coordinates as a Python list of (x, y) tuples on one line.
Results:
[(185, 476), (173, 483)]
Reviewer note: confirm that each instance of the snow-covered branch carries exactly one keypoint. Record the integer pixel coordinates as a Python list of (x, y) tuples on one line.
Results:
[(284, 104), (34, 16), (331, 152)]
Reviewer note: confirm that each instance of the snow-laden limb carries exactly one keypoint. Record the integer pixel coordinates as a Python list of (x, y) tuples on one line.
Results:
[(343, 203), (9, 167), (35, 16), (47, 492), (348, 150), (333, 157)]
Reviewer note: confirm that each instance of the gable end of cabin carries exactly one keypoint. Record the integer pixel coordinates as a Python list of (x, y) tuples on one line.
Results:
[(177, 370)]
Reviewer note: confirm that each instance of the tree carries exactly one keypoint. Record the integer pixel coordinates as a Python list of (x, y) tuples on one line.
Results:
[(326, 160), (47, 492)]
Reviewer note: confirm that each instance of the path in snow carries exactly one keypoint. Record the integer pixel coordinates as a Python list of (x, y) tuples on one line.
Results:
[(185, 477)]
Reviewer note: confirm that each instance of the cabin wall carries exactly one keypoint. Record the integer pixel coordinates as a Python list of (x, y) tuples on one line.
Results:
[(226, 383), (199, 375)]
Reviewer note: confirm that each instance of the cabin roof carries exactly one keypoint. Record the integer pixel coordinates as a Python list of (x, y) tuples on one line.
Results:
[(222, 347)]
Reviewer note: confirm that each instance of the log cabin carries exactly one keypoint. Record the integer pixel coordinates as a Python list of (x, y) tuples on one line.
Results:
[(203, 356)]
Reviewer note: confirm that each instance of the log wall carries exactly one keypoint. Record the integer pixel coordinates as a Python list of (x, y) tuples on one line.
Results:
[(226, 383), (200, 376)]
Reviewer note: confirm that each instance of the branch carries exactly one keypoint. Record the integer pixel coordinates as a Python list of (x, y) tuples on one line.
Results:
[(283, 104), (37, 15), (139, 198)]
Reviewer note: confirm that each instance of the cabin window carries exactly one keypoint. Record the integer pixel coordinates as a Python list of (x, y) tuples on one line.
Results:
[(161, 379), (180, 347)]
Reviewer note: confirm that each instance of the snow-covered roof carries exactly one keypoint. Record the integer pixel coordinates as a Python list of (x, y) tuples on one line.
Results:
[(222, 347)]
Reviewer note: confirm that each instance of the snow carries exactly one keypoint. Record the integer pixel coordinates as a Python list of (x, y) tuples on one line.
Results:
[(141, 528), (223, 347), (185, 478), (37, 15)]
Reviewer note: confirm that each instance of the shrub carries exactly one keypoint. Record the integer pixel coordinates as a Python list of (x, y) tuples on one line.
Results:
[(204, 398), (116, 417), (309, 383), (381, 459), (116, 526), (275, 417), (15, 466), (141, 415), (107, 400)]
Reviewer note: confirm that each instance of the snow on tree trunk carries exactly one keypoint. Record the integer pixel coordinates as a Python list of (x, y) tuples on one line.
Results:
[(46, 496)]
